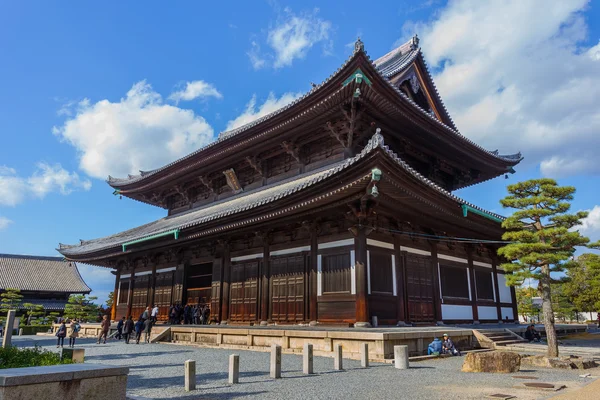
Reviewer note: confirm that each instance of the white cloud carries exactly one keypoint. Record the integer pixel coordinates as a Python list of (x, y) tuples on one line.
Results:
[(138, 132), (591, 224), (515, 77), (194, 90), (45, 179), (292, 36), (4, 222), (252, 112)]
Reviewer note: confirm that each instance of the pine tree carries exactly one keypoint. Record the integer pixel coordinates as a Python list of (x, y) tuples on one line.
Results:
[(81, 307), (110, 300), (33, 311), (542, 242), (10, 299)]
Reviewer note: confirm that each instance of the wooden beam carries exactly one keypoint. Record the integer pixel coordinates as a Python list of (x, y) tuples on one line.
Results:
[(471, 273), (336, 135)]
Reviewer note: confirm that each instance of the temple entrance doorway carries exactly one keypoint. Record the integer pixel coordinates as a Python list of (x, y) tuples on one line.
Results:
[(419, 285), (243, 291), (198, 284), (287, 288)]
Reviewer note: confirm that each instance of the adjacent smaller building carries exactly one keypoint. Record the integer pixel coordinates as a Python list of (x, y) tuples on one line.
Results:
[(48, 281)]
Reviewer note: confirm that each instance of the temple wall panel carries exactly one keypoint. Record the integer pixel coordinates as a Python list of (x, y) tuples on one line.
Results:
[(505, 295), (487, 313)]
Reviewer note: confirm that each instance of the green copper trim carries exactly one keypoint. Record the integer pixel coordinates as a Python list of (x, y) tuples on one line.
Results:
[(466, 208), (117, 192), (358, 76), (511, 170), (174, 232)]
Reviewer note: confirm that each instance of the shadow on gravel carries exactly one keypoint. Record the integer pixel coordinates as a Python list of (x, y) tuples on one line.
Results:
[(128, 356)]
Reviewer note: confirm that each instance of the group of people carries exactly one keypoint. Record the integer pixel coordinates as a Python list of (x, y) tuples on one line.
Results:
[(442, 347), (189, 314), (72, 332), (531, 334), (126, 327)]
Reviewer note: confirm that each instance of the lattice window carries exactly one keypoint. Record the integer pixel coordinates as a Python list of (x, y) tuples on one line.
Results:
[(454, 281)]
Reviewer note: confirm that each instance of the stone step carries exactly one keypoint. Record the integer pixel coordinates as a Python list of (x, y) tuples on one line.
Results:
[(505, 335), (506, 342)]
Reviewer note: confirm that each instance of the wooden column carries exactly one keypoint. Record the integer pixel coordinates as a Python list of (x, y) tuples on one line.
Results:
[(131, 287), (362, 305), (226, 283), (312, 281), (437, 301), (496, 287), (265, 281), (471, 273), (152, 289), (113, 311), (400, 282), (513, 296)]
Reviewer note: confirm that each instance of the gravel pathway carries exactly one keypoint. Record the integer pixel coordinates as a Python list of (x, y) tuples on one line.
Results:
[(156, 372)]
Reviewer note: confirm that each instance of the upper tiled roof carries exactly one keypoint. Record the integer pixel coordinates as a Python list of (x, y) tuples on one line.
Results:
[(42, 274), (248, 201)]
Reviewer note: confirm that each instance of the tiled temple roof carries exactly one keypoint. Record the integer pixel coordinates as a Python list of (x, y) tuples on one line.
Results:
[(250, 200), (386, 66), (48, 304), (40, 274)]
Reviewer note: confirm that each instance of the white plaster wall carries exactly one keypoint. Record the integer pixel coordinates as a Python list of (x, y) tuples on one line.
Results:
[(456, 312), (504, 290), (507, 312), (487, 313)]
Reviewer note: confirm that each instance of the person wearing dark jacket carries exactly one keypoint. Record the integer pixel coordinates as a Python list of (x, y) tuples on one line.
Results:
[(60, 334), (120, 324), (139, 328), (127, 329), (105, 327), (448, 346)]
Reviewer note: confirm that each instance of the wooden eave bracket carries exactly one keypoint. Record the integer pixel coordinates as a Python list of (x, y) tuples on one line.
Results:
[(256, 164), (291, 149), (207, 183)]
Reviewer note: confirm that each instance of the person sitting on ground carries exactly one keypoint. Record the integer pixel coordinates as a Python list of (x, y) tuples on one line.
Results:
[(448, 346), (434, 347), (139, 328), (531, 334)]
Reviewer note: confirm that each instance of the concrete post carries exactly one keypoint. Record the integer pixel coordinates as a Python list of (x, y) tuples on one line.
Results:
[(8, 328), (307, 358), (364, 355), (337, 358), (190, 375), (234, 369), (275, 361), (20, 331), (401, 357)]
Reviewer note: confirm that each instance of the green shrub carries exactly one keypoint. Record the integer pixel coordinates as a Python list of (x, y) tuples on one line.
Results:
[(33, 329), (16, 357)]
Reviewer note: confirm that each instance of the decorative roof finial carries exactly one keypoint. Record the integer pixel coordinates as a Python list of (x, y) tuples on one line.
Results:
[(414, 42), (359, 45)]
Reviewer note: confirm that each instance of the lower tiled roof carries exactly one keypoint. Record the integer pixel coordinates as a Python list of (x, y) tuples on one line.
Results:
[(40, 274), (49, 304)]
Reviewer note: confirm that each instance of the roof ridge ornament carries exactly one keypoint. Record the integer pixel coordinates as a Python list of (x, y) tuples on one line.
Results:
[(414, 42), (358, 45)]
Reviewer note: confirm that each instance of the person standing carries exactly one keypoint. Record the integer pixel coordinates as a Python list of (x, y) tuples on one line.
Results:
[(172, 314), (60, 334), (120, 324), (206, 315), (127, 329), (104, 328), (73, 332), (147, 330), (139, 327), (154, 314), (146, 313)]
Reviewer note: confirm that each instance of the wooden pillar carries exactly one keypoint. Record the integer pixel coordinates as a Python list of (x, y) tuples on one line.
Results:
[(513, 296), (265, 278), (471, 273), (496, 287), (152, 289), (400, 282), (312, 282), (131, 287), (226, 265), (437, 301), (178, 284), (362, 305), (113, 311)]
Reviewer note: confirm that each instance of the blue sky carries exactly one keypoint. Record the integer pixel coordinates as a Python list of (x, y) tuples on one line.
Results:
[(105, 88)]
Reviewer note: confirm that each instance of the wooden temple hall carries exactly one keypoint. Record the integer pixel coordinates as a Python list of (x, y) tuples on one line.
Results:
[(336, 208)]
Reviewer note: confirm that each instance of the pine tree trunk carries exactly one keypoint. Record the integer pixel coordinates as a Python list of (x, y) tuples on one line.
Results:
[(544, 288)]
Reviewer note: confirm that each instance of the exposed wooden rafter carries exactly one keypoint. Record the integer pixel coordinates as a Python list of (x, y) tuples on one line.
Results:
[(256, 164)]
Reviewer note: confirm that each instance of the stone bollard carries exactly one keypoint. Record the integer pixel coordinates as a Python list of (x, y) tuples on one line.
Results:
[(20, 331), (8, 328), (337, 358), (234, 369), (364, 355), (307, 358), (275, 361), (190, 375), (401, 357)]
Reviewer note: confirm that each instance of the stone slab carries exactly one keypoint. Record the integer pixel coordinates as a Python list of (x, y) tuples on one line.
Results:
[(57, 373)]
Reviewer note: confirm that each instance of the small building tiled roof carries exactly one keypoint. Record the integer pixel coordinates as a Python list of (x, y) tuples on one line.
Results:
[(250, 200), (40, 274)]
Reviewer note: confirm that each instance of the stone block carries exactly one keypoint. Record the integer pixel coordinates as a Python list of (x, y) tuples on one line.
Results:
[(8, 325), (307, 358), (275, 371), (401, 357), (493, 361), (190, 375), (234, 369), (75, 355), (364, 355), (338, 358)]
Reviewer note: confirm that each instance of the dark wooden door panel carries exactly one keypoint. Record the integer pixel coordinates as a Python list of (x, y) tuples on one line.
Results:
[(287, 288), (244, 292), (419, 283)]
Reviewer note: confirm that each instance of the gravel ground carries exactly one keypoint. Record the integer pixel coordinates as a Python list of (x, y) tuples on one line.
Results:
[(156, 372)]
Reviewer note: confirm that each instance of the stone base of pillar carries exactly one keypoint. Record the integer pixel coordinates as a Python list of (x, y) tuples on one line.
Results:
[(224, 322), (362, 325), (264, 323), (313, 323), (476, 322)]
